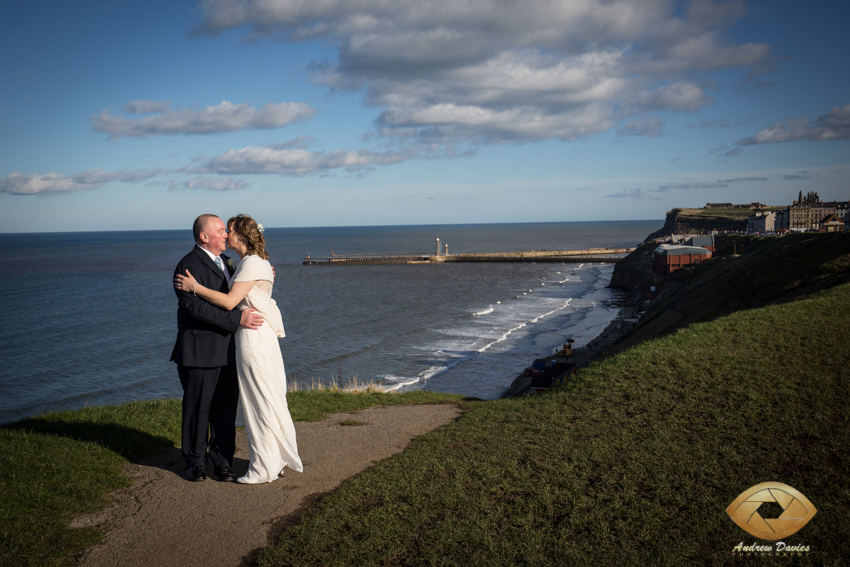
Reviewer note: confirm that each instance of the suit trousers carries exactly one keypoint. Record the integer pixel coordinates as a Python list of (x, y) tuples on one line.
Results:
[(210, 397)]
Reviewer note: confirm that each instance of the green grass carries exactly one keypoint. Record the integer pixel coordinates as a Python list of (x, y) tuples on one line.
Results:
[(315, 405), (727, 213), (66, 463), (724, 213), (632, 464)]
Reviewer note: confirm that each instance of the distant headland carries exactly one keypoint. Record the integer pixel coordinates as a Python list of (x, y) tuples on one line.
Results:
[(806, 213)]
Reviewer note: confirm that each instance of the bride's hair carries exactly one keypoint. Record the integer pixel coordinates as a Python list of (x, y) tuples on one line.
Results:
[(247, 228)]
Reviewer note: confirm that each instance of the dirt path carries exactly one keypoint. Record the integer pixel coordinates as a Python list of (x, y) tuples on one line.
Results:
[(163, 519)]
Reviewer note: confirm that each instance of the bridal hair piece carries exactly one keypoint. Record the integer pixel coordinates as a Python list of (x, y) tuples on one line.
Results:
[(251, 233)]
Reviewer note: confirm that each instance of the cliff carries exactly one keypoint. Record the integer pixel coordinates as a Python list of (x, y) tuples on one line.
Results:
[(634, 273), (745, 272), (702, 221)]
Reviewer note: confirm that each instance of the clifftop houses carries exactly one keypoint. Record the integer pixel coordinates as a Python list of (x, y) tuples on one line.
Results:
[(804, 214), (807, 213)]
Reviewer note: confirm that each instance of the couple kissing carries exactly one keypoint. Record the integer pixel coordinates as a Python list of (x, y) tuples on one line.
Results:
[(227, 347)]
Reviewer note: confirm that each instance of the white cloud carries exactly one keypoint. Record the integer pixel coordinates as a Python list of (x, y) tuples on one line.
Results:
[(679, 96), (296, 161), (225, 117), (740, 179), (54, 183), (692, 185), (211, 184), (834, 125), (493, 71), (799, 176), (634, 194)]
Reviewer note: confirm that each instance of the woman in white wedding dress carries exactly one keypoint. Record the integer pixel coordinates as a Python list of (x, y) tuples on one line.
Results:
[(259, 363)]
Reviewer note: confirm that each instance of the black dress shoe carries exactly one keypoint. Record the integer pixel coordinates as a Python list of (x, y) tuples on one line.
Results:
[(197, 474), (225, 474)]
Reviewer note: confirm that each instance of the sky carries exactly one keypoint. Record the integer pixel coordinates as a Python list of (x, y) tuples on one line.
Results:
[(140, 115)]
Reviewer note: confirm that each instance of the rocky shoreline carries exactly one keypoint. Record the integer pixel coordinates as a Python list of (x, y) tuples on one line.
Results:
[(582, 356)]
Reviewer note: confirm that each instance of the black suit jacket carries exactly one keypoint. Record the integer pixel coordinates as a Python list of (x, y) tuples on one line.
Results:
[(204, 332)]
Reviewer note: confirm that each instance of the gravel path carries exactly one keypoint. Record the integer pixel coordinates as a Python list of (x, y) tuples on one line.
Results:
[(163, 519)]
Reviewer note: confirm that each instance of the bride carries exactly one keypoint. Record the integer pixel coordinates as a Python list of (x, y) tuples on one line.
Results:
[(262, 380)]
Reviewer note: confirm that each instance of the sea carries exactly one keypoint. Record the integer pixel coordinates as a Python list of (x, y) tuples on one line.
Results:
[(89, 318)]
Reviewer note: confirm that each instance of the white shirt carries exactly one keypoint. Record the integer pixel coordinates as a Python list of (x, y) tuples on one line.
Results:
[(213, 257)]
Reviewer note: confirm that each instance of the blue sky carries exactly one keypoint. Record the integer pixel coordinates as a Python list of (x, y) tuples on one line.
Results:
[(141, 115)]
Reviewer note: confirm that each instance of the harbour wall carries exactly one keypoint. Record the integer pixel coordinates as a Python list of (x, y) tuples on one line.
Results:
[(590, 255)]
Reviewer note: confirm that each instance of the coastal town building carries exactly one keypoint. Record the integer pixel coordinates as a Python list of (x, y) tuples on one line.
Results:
[(810, 213), (832, 224), (762, 221), (669, 258), (706, 242), (842, 211), (805, 213), (780, 223)]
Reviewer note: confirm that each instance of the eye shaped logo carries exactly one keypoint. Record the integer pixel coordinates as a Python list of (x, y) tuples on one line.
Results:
[(797, 511)]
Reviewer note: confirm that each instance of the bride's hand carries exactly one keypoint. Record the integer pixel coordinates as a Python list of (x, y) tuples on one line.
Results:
[(185, 283)]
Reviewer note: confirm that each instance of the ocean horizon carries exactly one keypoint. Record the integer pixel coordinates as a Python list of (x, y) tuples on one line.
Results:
[(91, 315)]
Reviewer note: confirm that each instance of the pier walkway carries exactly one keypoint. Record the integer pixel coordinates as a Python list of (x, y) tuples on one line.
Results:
[(591, 255)]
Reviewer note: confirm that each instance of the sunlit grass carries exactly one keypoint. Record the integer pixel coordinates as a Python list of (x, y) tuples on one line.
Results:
[(632, 464), (62, 464)]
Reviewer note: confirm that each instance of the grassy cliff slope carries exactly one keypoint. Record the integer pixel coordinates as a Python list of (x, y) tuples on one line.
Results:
[(764, 271), (634, 463)]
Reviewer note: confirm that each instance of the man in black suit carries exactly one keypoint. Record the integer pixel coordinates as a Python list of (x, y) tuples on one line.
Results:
[(205, 354)]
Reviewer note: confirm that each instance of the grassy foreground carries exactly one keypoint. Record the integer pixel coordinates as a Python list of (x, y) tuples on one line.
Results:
[(632, 464), (66, 463)]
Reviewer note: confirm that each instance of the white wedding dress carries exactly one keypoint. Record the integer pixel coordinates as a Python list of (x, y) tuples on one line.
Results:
[(262, 380)]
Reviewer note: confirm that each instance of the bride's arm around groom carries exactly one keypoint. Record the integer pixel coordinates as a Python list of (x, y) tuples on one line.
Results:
[(205, 356)]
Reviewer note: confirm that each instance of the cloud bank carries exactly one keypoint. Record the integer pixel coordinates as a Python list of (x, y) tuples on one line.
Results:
[(211, 184), (834, 125), (495, 72), (692, 185), (54, 183), (634, 194), (225, 117), (291, 159)]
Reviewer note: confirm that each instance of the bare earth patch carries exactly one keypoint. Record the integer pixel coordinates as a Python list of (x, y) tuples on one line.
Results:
[(163, 519)]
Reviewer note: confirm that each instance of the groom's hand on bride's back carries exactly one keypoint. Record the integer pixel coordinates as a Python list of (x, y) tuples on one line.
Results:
[(251, 319)]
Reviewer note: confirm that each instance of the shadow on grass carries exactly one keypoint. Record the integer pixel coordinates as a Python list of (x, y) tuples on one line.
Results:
[(132, 444)]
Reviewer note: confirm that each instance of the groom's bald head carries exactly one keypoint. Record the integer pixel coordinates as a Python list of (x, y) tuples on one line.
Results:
[(200, 226)]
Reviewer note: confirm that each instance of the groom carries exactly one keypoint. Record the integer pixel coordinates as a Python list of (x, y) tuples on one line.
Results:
[(205, 355)]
